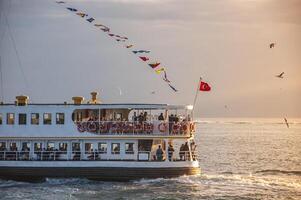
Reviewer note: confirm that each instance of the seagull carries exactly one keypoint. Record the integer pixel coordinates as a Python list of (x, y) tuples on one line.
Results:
[(272, 45), (285, 120), (280, 75)]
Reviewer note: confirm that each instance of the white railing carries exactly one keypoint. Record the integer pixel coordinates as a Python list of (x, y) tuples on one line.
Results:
[(136, 128), (51, 155)]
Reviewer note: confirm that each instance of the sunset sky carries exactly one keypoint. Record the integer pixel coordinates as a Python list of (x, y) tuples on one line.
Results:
[(225, 42)]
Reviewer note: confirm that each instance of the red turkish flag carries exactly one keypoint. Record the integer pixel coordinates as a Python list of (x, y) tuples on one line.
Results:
[(204, 86)]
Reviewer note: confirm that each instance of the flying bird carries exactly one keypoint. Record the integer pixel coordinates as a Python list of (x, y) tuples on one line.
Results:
[(272, 45), (280, 75), (286, 122)]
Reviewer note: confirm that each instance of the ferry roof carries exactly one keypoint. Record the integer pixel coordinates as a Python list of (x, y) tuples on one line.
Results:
[(110, 106)]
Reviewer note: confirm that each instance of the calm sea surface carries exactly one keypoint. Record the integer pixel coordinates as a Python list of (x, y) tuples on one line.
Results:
[(240, 159)]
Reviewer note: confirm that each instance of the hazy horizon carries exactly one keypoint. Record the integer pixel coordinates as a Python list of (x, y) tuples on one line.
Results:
[(224, 42)]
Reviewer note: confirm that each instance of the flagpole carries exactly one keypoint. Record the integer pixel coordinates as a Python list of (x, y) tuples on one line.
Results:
[(195, 97)]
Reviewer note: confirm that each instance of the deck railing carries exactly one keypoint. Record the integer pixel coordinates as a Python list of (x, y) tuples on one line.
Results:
[(183, 128), (94, 156)]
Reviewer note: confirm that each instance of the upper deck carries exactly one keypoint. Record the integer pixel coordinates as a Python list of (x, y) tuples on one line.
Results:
[(76, 121)]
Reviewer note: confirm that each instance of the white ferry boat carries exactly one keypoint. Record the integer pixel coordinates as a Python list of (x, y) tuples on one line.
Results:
[(116, 142)]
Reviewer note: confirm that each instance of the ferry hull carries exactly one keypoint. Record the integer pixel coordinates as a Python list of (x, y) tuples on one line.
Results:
[(94, 173)]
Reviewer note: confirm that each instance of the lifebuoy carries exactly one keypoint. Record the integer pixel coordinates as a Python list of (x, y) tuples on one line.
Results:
[(92, 127), (162, 127), (81, 127)]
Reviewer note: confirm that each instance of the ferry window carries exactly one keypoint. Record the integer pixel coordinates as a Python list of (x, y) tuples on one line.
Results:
[(47, 118), (50, 146), (13, 146), (25, 146), (10, 118), (75, 147), (115, 148), (0, 118), (2, 146), (22, 119), (63, 148), (60, 118), (102, 148), (129, 148), (35, 118), (37, 147), (88, 147)]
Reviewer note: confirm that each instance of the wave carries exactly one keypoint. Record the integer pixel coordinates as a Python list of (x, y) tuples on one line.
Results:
[(276, 171)]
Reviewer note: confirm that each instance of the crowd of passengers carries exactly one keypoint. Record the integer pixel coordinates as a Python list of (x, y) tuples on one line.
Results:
[(141, 124), (183, 153)]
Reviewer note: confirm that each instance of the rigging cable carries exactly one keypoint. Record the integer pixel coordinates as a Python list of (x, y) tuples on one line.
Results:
[(17, 53), (1, 82)]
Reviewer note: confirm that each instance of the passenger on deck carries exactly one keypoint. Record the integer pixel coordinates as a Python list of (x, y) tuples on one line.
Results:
[(145, 116), (186, 150), (140, 118), (159, 153), (182, 153), (134, 118), (161, 117), (170, 152), (171, 120)]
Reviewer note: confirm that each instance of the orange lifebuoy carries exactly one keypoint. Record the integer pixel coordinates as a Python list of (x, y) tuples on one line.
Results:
[(162, 127)]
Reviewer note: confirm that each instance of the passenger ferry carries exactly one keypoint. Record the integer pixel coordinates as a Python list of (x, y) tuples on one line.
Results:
[(116, 142)]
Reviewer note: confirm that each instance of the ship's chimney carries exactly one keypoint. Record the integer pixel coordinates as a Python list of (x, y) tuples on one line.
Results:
[(78, 100), (22, 100), (94, 99)]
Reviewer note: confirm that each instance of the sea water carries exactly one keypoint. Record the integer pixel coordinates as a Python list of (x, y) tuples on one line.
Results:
[(240, 159)]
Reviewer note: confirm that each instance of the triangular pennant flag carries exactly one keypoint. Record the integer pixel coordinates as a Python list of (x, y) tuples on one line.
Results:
[(82, 14), (72, 9), (98, 25), (106, 29), (129, 46), (90, 19), (144, 58), (135, 52), (111, 34), (158, 71), (154, 65), (204, 86)]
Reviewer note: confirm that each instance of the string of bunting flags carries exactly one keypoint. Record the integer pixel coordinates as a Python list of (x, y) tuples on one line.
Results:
[(123, 39)]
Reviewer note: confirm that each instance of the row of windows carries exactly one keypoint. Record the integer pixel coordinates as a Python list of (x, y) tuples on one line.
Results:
[(34, 118), (63, 147)]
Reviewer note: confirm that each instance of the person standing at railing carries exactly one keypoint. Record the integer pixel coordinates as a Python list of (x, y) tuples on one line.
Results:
[(182, 153), (170, 152), (161, 117), (186, 150), (159, 153)]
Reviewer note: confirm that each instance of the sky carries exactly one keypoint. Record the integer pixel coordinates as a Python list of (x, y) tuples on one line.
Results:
[(50, 54)]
